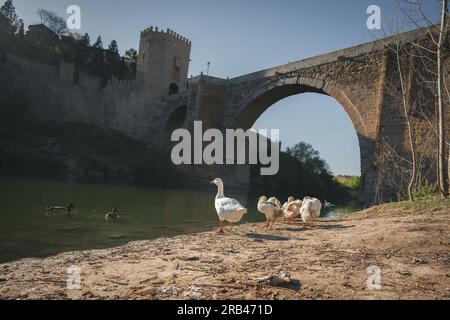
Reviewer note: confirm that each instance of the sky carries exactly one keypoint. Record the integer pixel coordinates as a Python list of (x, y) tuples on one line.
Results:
[(243, 36)]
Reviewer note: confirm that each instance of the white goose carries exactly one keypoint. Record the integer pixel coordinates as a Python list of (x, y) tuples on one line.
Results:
[(228, 209), (291, 209), (310, 210), (270, 209)]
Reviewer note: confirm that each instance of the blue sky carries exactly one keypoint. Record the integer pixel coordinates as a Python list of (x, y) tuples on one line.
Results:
[(243, 36)]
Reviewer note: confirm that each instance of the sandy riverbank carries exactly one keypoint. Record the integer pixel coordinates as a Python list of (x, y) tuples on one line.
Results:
[(410, 243)]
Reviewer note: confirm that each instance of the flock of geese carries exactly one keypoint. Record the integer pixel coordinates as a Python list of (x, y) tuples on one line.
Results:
[(229, 209)]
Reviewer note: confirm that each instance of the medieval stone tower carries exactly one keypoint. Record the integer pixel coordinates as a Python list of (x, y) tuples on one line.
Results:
[(163, 61)]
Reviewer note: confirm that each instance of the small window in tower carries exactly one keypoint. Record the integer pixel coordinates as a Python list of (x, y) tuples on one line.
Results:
[(173, 88), (177, 63)]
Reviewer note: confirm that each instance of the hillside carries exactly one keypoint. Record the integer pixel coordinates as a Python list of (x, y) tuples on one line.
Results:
[(78, 152)]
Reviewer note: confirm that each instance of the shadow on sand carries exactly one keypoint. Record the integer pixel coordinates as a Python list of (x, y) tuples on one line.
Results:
[(332, 226), (260, 236)]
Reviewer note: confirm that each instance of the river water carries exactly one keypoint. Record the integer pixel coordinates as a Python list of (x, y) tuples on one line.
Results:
[(145, 213)]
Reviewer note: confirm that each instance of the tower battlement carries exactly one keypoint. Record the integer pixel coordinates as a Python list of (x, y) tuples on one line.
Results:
[(163, 62), (167, 32)]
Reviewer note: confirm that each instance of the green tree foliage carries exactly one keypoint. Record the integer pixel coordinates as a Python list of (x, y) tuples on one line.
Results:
[(98, 43), (21, 31), (9, 12), (308, 157), (113, 60), (132, 56), (98, 58), (352, 183), (77, 48), (86, 40)]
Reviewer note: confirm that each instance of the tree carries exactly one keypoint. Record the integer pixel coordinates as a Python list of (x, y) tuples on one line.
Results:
[(132, 56), (98, 43), (114, 48), (52, 21), (9, 12), (442, 153), (303, 152), (21, 32), (85, 40), (399, 49), (113, 61)]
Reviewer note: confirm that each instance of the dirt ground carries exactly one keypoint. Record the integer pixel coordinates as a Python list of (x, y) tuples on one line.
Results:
[(410, 246)]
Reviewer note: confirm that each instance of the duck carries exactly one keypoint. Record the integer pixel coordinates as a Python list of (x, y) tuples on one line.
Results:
[(271, 209), (228, 209), (291, 209), (310, 210), (66, 210), (112, 216)]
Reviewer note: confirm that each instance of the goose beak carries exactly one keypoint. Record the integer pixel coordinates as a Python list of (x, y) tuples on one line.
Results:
[(212, 182)]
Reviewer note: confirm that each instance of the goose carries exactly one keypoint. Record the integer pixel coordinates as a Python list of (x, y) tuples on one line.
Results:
[(291, 209), (270, 209), (310, 210), (228, 209), (274, 201), (66, 210), (112, 216)]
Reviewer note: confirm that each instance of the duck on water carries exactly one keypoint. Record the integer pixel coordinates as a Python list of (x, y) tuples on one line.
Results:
[(59, 209)]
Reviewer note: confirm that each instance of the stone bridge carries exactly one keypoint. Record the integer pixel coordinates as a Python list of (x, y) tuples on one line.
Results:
[(356, 77), (148, 109)]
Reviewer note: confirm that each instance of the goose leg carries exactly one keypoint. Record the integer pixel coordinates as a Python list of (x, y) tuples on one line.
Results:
[(231, 227), (302, 225), (220, 230), (266, 226)]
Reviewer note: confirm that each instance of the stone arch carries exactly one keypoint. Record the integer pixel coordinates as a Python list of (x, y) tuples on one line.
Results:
[(248, 110), (177, 118), (274, 90)]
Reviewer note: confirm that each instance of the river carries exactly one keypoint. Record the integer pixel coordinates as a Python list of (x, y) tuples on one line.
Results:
[(145, 213)]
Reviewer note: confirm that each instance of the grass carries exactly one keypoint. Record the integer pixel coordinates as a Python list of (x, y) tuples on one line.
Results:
[(431, 203)]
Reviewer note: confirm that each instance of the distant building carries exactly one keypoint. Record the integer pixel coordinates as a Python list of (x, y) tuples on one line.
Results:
[(42, 35)]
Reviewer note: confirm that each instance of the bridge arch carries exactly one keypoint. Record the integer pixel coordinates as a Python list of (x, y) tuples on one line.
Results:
[(263, 96), (274, 90)]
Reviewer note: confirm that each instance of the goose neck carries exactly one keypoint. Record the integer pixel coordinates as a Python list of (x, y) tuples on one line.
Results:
[(220, 191)]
